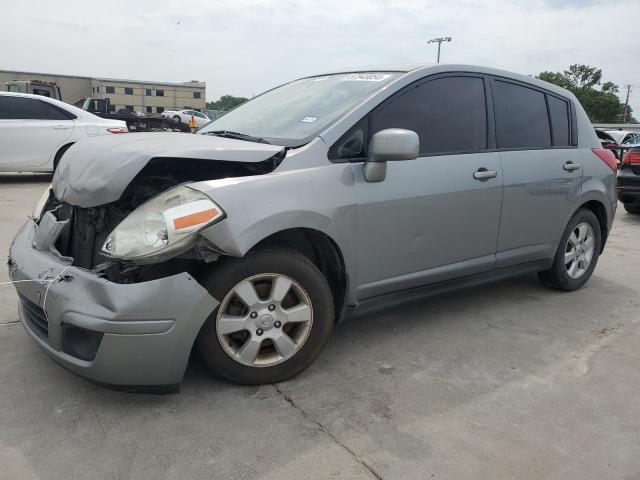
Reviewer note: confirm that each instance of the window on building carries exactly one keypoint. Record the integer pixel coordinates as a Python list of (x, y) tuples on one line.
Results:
[(129, 107), (559, 112), (196, 94), (110, 89), (149, 109), (128, 91), (449, 114), (22, 108), (521, 117), (112, 108), (159, 109), (159, 93), (147, 92)]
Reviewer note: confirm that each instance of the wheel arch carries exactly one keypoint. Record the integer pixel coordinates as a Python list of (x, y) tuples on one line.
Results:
[(597, 205), (323, 251), (59, 153)]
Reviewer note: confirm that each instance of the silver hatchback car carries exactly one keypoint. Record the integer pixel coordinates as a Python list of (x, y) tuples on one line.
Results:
[(252, 238)]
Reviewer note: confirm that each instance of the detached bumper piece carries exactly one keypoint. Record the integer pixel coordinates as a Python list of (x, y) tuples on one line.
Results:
[(137, 334)]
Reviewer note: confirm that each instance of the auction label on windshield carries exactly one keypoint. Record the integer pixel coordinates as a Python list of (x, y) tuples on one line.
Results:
[(365, 77)]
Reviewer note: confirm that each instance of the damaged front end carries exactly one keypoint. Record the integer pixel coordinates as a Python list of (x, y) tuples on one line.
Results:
[(89, 228), (115, 320)]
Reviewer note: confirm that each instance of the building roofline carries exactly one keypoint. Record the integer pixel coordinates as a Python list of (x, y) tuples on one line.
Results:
[(103, 79)]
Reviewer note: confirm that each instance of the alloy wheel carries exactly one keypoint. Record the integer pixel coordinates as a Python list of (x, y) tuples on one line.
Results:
[(264, 320), (579, 250)]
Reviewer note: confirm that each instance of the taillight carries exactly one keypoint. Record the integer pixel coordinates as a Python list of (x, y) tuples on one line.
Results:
[(607, 157), (611, 145), (117, 130), (631, 158)]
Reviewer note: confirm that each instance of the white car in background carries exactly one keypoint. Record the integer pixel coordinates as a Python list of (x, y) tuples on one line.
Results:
[(184, 116), (625, 138), (35, 131)]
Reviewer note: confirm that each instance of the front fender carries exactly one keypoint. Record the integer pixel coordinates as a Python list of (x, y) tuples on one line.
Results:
[(318, 198)]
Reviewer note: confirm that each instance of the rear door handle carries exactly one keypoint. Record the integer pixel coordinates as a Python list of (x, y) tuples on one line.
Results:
[(483, 173), (570, 166), (61, 127)]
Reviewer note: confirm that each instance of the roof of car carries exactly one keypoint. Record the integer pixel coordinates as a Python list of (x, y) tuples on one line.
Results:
[(416, 69), (380, 68)]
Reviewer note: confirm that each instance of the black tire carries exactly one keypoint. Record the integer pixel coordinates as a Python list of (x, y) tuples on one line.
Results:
[(176, 118), (272, 260), (557, 277), (633, 209)]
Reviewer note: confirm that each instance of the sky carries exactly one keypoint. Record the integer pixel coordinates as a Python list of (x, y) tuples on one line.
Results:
[(243, 47)]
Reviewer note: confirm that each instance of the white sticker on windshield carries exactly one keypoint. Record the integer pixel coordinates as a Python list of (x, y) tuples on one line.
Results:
[(366, 77), (308, 119)]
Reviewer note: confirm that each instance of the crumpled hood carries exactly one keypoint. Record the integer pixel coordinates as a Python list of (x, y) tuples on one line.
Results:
[(97, 170)]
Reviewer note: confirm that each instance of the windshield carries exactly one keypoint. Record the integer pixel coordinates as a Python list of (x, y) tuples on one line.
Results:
[(292, 114)]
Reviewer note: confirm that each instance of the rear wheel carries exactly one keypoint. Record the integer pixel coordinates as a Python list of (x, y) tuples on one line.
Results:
[(634, 209), (577, 253), (177, 118), (274, 317)]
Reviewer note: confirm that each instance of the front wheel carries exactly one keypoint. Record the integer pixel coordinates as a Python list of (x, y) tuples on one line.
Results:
[(633, 209), (577, 253), (275, 315), (176, 118)]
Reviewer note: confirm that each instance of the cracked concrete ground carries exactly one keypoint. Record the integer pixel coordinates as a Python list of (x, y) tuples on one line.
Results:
[(509, 380)]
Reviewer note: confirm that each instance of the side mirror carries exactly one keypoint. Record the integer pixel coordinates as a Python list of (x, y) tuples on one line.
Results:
[(389, 145)]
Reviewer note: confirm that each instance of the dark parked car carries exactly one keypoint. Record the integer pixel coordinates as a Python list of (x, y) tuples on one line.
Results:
[(628, 186)]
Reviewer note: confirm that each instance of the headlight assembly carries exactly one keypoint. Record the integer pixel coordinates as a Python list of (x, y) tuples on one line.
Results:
[(162, 227)]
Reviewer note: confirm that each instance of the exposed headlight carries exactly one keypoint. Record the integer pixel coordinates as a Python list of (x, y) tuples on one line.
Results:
[(162, 227), (37, 211)]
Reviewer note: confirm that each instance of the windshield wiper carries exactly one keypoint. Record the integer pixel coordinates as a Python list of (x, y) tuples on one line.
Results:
[(236, 135)]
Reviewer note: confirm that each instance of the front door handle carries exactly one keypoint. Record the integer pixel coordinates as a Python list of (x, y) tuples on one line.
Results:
[(570, 166), (483, 174), (61, 127)]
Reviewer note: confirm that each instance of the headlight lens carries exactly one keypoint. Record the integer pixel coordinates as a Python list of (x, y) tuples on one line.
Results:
[(37, 211), (163, 226)]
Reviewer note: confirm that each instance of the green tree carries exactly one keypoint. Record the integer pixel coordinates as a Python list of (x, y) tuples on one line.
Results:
[(600, 100), (226, 102)]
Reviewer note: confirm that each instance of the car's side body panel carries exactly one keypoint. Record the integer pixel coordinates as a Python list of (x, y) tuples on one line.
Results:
[(429, 220), (538, 194)]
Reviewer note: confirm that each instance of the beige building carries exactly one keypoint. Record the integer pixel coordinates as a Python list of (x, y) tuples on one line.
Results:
[(136, 95)]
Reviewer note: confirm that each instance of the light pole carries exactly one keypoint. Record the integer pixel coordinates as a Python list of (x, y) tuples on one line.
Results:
[(439, 41)]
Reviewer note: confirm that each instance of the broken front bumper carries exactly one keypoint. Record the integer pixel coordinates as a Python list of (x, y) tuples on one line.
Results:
[(120, 334)]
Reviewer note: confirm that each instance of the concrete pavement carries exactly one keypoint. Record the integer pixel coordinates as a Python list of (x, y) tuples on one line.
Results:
[(510, 380)]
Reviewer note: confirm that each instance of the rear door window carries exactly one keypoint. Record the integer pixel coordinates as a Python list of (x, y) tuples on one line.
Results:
[(448, 114), (521, 117), (559, 113)]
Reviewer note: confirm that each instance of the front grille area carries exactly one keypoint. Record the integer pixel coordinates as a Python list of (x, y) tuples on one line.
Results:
[(35, 318), (86, 231)]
